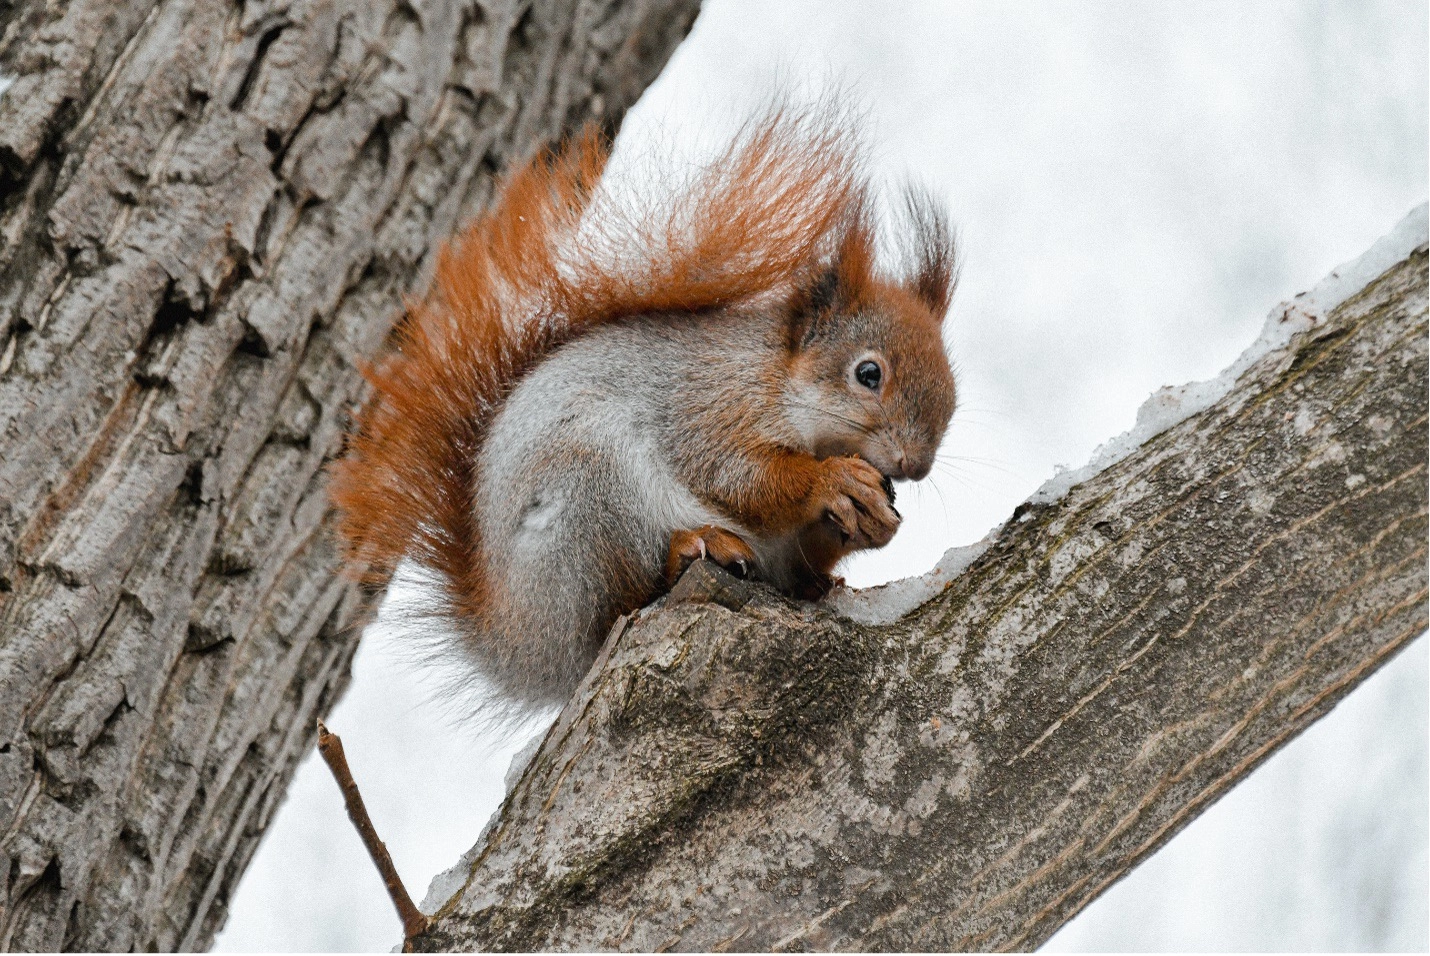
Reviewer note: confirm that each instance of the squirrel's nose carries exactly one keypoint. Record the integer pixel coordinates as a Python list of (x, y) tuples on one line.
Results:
[(913, 469)]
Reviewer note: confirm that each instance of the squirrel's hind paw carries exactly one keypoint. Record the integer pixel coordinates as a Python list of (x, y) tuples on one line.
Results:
[(725, 548)]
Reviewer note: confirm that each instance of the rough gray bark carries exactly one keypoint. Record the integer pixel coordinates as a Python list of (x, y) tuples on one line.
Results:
[(743, 772), (209, 210)]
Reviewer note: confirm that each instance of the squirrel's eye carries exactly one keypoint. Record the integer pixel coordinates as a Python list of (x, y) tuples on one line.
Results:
[(868, 374)]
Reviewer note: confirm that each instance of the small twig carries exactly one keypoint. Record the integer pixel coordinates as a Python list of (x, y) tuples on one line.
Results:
[(414, 922)]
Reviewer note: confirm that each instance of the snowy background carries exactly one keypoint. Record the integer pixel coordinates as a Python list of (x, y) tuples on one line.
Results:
[(1136, 186)]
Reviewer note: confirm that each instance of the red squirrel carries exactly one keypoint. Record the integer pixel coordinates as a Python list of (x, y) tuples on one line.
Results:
[(599, 390)]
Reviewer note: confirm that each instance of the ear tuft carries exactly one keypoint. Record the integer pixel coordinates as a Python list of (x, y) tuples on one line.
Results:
[(822, 292), (930, 252), (842, 282)]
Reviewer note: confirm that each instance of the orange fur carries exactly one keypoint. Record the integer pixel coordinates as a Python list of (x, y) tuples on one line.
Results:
[(553, 259)]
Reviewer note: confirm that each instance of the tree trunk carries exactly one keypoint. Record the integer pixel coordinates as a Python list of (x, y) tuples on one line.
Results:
[(209, 210), (964, 761)]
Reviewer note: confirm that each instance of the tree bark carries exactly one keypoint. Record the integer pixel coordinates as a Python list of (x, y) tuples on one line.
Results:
[(209, 211), (743, 772)]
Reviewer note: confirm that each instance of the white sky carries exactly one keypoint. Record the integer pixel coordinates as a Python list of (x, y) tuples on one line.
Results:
[(1136, 185)]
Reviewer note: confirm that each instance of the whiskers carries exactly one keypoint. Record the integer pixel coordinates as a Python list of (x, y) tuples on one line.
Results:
[(970, 473), (981, 416), (827, 413)]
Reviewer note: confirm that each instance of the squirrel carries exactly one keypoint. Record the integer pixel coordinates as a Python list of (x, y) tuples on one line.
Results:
[(599, 390)]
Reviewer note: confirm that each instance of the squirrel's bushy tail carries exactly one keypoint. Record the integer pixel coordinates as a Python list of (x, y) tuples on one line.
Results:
[(556, 256)]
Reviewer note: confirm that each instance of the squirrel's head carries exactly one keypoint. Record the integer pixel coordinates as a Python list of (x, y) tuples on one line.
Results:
[(868, 372)]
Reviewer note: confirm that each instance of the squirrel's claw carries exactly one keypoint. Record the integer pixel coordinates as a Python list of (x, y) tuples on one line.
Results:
[(708, 543), (857, 500)]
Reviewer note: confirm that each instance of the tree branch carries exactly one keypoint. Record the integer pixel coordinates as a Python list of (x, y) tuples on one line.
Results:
[(966, 760), (330, 745)]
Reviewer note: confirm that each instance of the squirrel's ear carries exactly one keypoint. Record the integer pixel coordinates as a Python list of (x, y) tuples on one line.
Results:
[(838, 284), (930, 251), (813, 299)]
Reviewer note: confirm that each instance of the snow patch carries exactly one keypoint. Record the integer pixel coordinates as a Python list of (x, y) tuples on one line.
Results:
[(521, 759), (449, 882), (889, 602), (1166, 408), (5, 83)]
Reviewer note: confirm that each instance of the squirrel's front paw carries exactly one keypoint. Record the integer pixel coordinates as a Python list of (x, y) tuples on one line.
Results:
[(854, 500), (725, 548)]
